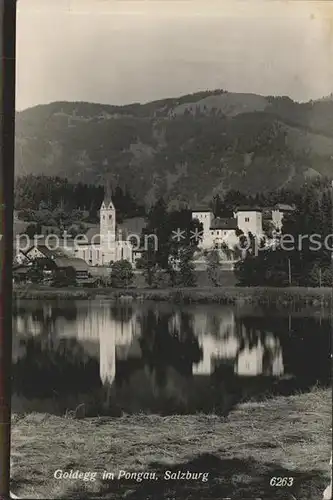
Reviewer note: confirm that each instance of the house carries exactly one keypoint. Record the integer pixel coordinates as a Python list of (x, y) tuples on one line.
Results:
[(223, 231), (19, 257), (20, 273), (50, 260), (80, 267), (38, 251)]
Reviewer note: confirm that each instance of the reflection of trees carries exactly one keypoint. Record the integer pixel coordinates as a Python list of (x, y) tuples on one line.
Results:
[(56, 309), (46, 314), (121, 313), (163, 347), (64, 369), (305, 348)]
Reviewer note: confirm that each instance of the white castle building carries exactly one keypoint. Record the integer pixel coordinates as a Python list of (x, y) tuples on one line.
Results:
[(107, 246), (218, 231)]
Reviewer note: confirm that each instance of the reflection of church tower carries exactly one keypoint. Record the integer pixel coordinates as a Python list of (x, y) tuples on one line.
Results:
[(107, 216), (107, 355)]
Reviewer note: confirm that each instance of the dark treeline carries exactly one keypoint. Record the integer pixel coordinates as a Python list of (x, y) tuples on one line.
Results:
[(40, 192), (224, 206), (302, 255)]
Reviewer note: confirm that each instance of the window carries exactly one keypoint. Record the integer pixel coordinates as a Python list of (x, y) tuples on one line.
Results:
[(110, 217), (247, 219), (103, 217)]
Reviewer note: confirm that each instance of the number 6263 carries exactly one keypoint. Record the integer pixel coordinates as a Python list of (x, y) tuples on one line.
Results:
[(281, 481)]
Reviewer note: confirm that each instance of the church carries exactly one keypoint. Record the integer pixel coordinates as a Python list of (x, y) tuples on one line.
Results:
[(105, 247)]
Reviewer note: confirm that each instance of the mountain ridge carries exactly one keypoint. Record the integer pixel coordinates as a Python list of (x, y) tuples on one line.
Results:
[(186, 148)]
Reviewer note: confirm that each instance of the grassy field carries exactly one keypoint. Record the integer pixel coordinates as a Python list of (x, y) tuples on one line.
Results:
[(223, 295), (283, 437)]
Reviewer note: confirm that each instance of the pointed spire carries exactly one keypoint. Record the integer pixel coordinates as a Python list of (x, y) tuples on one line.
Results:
[(108, 192)]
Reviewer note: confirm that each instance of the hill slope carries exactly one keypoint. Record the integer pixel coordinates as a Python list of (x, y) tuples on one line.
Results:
[(186, 148)]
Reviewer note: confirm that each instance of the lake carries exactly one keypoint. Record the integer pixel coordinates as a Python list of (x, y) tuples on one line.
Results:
[(101, 357)]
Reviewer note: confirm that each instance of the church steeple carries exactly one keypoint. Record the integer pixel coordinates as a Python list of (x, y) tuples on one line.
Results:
[(107, 216)]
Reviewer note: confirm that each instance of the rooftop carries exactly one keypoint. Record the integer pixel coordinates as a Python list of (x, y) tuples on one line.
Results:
[(128, 227), (224, 223), (202, 209), (246, 208), (48, 252), (108, 194), (76, 263)]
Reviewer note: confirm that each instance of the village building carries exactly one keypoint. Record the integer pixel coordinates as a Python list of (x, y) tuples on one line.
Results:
[(50, 261), (223, 231), (79, 266)]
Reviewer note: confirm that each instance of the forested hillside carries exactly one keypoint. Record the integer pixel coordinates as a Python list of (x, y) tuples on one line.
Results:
[(186, 149)]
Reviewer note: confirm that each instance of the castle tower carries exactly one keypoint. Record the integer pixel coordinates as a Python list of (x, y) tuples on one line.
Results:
[(205, 216), (107, 216)]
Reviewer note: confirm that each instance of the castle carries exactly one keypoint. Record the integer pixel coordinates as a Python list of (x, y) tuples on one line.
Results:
[(218, 231), (106, 247)]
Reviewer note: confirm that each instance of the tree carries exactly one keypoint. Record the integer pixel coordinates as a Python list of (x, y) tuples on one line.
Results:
[(213, 267), (158, 226), (185, 275), (268, 268), (121, 274), (159, 278), (73, 230), (165, 226), (217, 206), (32, 230)]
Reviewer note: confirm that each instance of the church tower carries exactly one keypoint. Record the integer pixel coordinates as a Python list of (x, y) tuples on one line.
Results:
[(107, 216)]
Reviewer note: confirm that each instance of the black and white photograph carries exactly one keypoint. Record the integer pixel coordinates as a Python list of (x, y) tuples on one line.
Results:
[(172, 264)]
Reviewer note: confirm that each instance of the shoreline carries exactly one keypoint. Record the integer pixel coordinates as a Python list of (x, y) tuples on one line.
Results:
[(290, 437), (296, 296)]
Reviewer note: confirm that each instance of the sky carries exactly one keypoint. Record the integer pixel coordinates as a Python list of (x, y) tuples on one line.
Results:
[(119, 51)]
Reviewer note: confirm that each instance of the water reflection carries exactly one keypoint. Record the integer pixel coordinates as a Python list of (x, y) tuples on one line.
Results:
[(159, 357)]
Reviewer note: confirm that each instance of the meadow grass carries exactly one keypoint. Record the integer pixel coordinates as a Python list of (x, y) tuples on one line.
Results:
[(221, 295), (279, 437)]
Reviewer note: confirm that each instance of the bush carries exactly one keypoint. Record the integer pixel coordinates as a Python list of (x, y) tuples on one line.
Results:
[(122, 275), (64, 277), (160, 278), (320, 276)]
